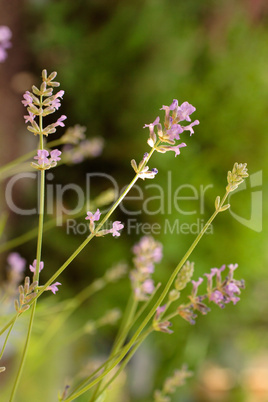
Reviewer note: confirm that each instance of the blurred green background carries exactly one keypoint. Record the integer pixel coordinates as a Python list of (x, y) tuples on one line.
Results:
[(119, 62)]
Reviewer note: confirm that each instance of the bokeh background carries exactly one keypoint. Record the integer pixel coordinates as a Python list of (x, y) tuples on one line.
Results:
[(119, 62)]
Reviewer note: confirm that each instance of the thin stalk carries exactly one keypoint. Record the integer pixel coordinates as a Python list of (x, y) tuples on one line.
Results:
[(38, 259), (152, 311), (25, 157), (122, 334), (9, 331), (90, 237), (124, 363)]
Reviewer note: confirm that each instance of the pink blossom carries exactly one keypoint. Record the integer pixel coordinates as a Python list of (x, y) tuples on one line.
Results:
[(33, 267), (59, 122), (28, 100), (55, 155), (117, 225), (54, 287), (184, 111), (42, 155), (93, 217), (30, 118)]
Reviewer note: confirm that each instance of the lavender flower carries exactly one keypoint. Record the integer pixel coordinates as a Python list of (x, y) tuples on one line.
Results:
[(54, 287), (142, 170), (42, 157), (86, 149), (42, 102), (174, 115), (5, 36), (147, 252), (43, 161), (59, 122), (148, 174), (28, 100), (33, 267), (117, 225), (74, 135), (55, 155), (93, 217), (222, 292)]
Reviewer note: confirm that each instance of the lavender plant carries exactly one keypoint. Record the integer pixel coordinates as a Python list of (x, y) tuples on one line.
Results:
[(149, 307)]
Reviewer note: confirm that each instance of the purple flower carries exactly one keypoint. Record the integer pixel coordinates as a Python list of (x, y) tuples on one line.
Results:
[(33, 267), (54, 287), (42, 155), (147, 252), (55, 155), (55, 103), (217, 272), (175, 131), (218, 298), (190, 127), (163, 326), (176, 149), (148, 174), (16, 262), (93, 217), (159, 311), (196, 285), (117, 225), (60, 94), (148, 286), (187, 313), (232, 268), (5, 36), (30, 118), (28, 100), (184, 111), (151, 125), (167, 109), (59, 122)]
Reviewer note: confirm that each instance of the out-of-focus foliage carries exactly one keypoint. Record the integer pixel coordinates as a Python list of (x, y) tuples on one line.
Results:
[(119, 62)]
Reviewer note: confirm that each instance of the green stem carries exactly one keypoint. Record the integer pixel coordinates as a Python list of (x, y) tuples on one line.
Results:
[(90, 237), (11, 322), (23, 158), (38, 259), (31, 234), (122, 334), (124, 363), (153, 310), (24, 354), (10, 329)]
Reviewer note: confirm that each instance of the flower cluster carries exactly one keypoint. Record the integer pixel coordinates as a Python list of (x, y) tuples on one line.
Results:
[(41, 102), (184, 276), (85, 149), (117, 225), (5, 36), (147, 252), (222, 292), (174, 115), (43, 161), (142, 170), (27, 293), (236, 176), (54, 286)]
